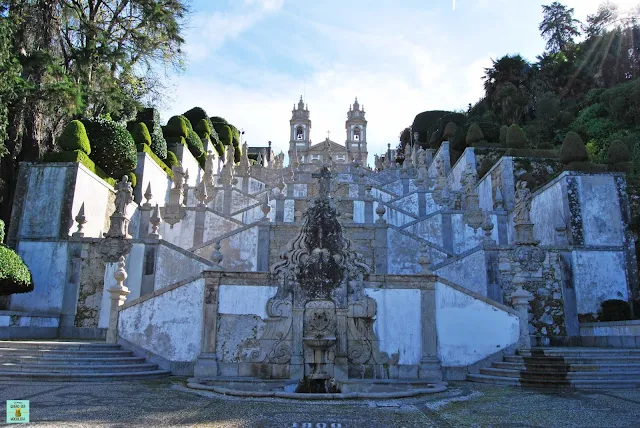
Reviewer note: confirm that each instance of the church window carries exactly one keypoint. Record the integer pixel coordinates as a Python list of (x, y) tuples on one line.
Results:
[(340, 157), (299, 133), (356, 134)]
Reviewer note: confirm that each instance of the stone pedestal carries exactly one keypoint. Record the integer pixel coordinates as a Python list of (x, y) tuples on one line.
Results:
[(207, 362), (118, 294), (429, 363), (520, 299)]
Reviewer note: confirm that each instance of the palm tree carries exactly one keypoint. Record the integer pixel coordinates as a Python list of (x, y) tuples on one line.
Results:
[(558, 27)]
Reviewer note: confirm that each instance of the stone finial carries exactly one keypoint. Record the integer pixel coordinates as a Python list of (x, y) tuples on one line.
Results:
[(520, 299), (81, 220), (425, 262), (381, 210), (120, 274), (487, 228), (178, 177), (118, 295), (201, 194), (216, 256), (266, 208), (148, 196), (186, 181), (155, 221)]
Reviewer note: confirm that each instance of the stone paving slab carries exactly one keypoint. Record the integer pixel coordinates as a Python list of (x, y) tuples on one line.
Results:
[(168, 402)]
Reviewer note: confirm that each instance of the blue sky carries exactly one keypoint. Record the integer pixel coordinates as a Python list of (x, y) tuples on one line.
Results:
[(250, 60)]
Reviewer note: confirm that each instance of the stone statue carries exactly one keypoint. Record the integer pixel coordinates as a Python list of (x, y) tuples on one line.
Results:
[(124, 195), (422, 157), (523, 203), (377, 162), (178, 177), (440, 168), (209, 169)]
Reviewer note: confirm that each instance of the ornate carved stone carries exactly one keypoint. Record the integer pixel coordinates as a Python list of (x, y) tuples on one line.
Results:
[(530, 257), (111, 249), (81, 220)]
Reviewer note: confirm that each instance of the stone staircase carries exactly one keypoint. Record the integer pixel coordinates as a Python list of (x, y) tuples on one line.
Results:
[(72, 361), (580, 368)]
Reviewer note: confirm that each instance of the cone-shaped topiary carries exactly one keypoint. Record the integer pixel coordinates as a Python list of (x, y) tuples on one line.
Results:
[(516, 138), (113, 148), (151, 118), (203, 128), (172, 159), (195, 115), (573, 149), (141, 134), (503, 135), (187, 122), (194, 143), (618, 152), (449, 131), (74, 137), (15, 276), (226, 135), (176, 127), (217, 119), (474, 134)]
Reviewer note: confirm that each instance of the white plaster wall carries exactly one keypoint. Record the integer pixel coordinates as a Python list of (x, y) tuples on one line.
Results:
[(255, 185), (403, 253), (598, 276), (398, 331), (250, 215), (485, 193), (455, 176), (173, 266), (47, 262), (105, 304), (442, 153), (245, 299), (190, 164), (240, 201), (392, 216), (94, 192), (469, 272), (169, 325), (395, 187), (215, 225), (240, 251), (182, 232), (469, 329), (547, 211), (464, 237), (429, 229), (134, 266), (45, 191), (601, 217), (152, 173), (408, 203), (380, 194)]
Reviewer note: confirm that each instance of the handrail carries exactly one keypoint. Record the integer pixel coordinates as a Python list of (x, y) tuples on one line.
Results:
[(226, 235)]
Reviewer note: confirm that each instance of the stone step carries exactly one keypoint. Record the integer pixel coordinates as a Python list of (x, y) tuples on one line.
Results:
[(574, 360), (558, 376), (575, 383), (83, 377), (22, 359), (578, 351), (6, 352), (58, 345), (77, 368), (570, 367)]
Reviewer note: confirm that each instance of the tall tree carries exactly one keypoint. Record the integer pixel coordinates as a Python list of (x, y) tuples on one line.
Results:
[(600, 21), (558, 26)]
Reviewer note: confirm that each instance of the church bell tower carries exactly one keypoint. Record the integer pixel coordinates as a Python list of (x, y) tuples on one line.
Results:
[(300, 132), (356, 127)]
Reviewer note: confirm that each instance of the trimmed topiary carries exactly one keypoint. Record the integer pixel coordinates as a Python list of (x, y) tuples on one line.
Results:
[(516, 138), (614, 310), (151, 118), (217, 119), (133, 179), (176, 127), (203, 128), (449, 131), (141, 134), (573, 149), (618, 152), (172, 159), (15, 276), (113, 148), (74, 137), (503, 135), (194, 143), (474, 134), (226, 135), (434, 140), (187, 122)]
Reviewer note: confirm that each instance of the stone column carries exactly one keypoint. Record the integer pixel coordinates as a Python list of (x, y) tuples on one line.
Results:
[(118, 296), (422, 202), (145, 214), (429, 361), (520, 299), (226, 204), (264, 240), (380, 247), (207, 362)]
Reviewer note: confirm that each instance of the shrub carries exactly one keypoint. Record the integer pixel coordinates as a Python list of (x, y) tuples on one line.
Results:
[(176, 128), (80, 157), (490, 131), (187, 122), (618, 152), (434, 140), (203, 128), (503, 135), (474, 134), (449, 131), (614, 310), (573, 149), (141, 134), (15, 276), (133, 179), (113, 148), (1, 232), (516, 138), (226, 135), (151, 118), (217, 119), (172, 159), (194, 143), (195, 115), (458, 142), (74, 137), (162, 164)]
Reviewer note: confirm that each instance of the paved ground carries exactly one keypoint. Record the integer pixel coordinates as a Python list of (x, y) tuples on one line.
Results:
[(169, 403)]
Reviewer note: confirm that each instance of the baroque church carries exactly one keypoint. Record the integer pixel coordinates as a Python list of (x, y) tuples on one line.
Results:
[(302, 148)]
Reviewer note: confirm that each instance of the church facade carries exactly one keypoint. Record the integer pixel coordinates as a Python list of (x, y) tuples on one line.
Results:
[(302, 149)]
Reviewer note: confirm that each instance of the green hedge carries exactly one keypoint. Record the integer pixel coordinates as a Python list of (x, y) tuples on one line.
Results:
[(141, 134), (194, 143), (15, 276), (176, 128), (74, 137), (143, 148), (573, 149), (172, 160), (516, 139), (151, 118), (81, 157), (203, 128), (113, 148)]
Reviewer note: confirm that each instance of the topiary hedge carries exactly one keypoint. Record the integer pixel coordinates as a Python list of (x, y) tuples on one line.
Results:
[(74, 137), (113, 148), (449, 131), (176, 127), (151, 118), (218, 119), (614, 310), (474, 134), (141, 134), (15, 276), (203, 128), (172, 159), (194, 143), (516, 139), (573, 149), (80, 157), (618, 152)]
